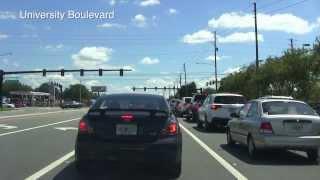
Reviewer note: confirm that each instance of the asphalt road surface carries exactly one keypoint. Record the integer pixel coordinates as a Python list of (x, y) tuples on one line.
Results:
[(39, 144)]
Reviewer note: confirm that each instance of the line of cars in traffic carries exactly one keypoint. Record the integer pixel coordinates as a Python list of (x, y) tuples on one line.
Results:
[(143, 128), (270, 122)]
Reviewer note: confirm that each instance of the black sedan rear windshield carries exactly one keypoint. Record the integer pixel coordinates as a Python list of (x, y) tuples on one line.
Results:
[(127, 102), (230, 100), (287, 107)]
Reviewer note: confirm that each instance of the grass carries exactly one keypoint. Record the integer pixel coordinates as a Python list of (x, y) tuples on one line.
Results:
[(4, 109)]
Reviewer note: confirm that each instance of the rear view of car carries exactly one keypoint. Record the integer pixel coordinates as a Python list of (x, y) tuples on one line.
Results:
[(196, 102), (276, 124), (217, 109), (130, 128)]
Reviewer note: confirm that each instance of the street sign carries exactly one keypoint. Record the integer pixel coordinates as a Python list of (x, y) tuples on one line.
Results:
[(99, 88)]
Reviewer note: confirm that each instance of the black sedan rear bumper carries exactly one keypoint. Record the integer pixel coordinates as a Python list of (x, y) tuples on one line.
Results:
[(164, 151)]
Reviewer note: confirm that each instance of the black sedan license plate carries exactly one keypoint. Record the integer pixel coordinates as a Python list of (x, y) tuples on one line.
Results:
[(126, 129)]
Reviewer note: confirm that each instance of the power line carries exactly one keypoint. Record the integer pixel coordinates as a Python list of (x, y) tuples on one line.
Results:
[(286, 7)]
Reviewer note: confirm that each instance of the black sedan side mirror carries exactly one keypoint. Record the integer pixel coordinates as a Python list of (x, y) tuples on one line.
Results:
[(235, 115)]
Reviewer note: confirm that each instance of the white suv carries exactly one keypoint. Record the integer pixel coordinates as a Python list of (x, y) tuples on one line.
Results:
[(217, 109)]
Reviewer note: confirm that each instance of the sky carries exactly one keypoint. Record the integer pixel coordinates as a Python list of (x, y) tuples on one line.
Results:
[(154, 38)]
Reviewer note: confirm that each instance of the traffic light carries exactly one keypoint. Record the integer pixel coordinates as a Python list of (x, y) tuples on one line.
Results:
[(207, 83), (155, 88), (100, 72), (44, 72), (145, 89), (81, 72), (174, 88), (62, 72), (201, 90), (210, 83), (121, 72), (165, 88), (134, 88)]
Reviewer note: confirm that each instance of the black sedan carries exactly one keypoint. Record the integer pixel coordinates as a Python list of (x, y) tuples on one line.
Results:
[(130, 128)]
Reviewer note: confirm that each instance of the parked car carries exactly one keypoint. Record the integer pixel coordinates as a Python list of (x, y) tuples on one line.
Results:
[(71, 104), (217, 108), (8, 105), (276, 124), (196, 101), (130, 128)]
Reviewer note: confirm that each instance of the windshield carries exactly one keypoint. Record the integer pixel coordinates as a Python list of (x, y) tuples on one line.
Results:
[(287, 107), (229, 100), (127, 102)]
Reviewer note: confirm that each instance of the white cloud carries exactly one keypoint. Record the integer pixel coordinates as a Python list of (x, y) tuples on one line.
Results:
[(149, 61), (139, 20), (114, 2), (211, 58), (285, 22), (7, 15), (3, 36), (202, 36), (145, 3), (240, 37), (232, 70), (91, 57), (111, 25), (172, 11)]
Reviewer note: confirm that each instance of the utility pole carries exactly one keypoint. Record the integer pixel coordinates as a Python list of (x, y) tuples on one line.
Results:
[(185, 74), (291, 45), (215, 60), (180, 81), (257, 46)]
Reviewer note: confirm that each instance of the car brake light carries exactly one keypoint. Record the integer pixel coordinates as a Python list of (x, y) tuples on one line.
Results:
[(215, 106), (83, 127), (171, 129), (266, 128), (127, 117)]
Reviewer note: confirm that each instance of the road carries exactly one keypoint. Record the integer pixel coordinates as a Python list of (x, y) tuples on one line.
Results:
[(41, 143)]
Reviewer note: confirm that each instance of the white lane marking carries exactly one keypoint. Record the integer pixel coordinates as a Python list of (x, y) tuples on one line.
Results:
[(223, 162), (36, 114), (66, 128), (50, 167), (37, 127), (7, 127)]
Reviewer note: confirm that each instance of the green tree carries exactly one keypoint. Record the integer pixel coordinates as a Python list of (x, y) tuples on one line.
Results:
[(14, 85), (187, 90), (73, 93)]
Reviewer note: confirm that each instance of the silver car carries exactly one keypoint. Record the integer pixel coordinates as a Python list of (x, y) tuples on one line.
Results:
[(276, 123), (217, 108)]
